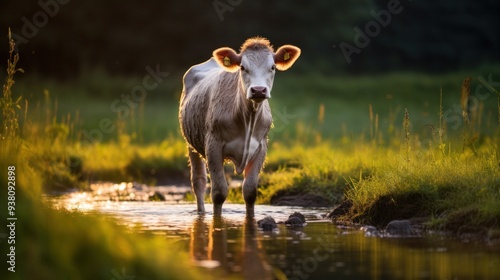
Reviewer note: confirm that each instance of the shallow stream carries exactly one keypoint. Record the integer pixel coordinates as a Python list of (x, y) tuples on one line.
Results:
[(233, 246)]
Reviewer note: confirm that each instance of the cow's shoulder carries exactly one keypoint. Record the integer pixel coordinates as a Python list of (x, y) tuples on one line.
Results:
[(199, 72)]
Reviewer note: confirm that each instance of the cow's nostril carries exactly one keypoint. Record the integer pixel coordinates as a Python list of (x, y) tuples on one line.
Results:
[(258, 89)]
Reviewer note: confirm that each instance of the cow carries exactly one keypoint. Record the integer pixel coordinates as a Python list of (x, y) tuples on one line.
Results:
[(224, 114)]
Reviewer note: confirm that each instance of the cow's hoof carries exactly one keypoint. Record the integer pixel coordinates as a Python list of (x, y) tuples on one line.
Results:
[(217, 210), (250, 212)]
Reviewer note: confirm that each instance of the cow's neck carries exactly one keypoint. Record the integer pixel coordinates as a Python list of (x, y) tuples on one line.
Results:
[(250, 113)]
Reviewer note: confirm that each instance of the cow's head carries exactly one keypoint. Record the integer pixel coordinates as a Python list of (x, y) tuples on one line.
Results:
[(257, 62)]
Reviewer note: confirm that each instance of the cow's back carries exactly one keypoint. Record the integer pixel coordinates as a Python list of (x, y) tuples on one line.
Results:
[(199, 82)]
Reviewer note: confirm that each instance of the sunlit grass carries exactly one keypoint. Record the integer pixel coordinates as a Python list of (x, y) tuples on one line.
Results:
[(321, 170), (52, 244), (342, 137), (366, 150), (387, 183), (445, 184)]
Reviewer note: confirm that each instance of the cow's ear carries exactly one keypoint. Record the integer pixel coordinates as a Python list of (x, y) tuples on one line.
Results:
[(285, 56), (227, 59)]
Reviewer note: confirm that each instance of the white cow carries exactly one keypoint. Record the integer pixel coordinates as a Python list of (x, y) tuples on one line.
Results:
[(224, 115)]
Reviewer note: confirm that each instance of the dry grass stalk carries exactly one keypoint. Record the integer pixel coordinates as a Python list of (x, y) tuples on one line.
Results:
[(464, 99)]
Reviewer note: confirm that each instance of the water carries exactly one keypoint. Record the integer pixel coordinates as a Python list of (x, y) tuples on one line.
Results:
[(233, 246)]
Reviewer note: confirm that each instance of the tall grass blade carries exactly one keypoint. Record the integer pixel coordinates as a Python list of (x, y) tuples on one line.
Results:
[(464, 99), (321, 113), (442, 124), (9, 107), (406, 128)]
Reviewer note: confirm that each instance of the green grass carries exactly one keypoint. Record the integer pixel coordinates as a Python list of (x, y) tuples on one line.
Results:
[(338, 137), (295, 101), (461, 188), (430, 185), (51, 244)]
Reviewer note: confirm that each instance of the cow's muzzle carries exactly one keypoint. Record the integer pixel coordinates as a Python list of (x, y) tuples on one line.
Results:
[(258, 94)]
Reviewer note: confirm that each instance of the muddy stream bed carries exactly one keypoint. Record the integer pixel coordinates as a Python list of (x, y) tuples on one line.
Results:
[(234, 246)]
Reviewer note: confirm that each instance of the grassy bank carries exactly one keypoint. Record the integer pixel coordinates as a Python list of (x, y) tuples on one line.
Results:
[(52, 244), (455, 190)]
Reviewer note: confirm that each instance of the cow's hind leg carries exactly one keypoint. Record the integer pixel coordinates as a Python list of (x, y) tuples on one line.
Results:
[(252, 179), (198, 178)]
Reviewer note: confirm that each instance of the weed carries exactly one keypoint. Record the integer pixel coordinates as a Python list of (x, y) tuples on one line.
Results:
[(9, 107), (406, 129), (442, 125), (58, 244)]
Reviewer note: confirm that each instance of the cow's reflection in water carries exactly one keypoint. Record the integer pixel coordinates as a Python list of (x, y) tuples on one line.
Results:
[(216, 242)]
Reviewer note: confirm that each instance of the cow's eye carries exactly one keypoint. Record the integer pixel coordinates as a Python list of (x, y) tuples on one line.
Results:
[(273, 67)]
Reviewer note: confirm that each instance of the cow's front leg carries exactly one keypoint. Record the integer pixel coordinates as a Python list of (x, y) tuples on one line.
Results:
[(215, 162), (251, 180), (198, 178)]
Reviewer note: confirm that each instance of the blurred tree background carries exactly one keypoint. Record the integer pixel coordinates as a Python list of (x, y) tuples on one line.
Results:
[(63, 39)]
